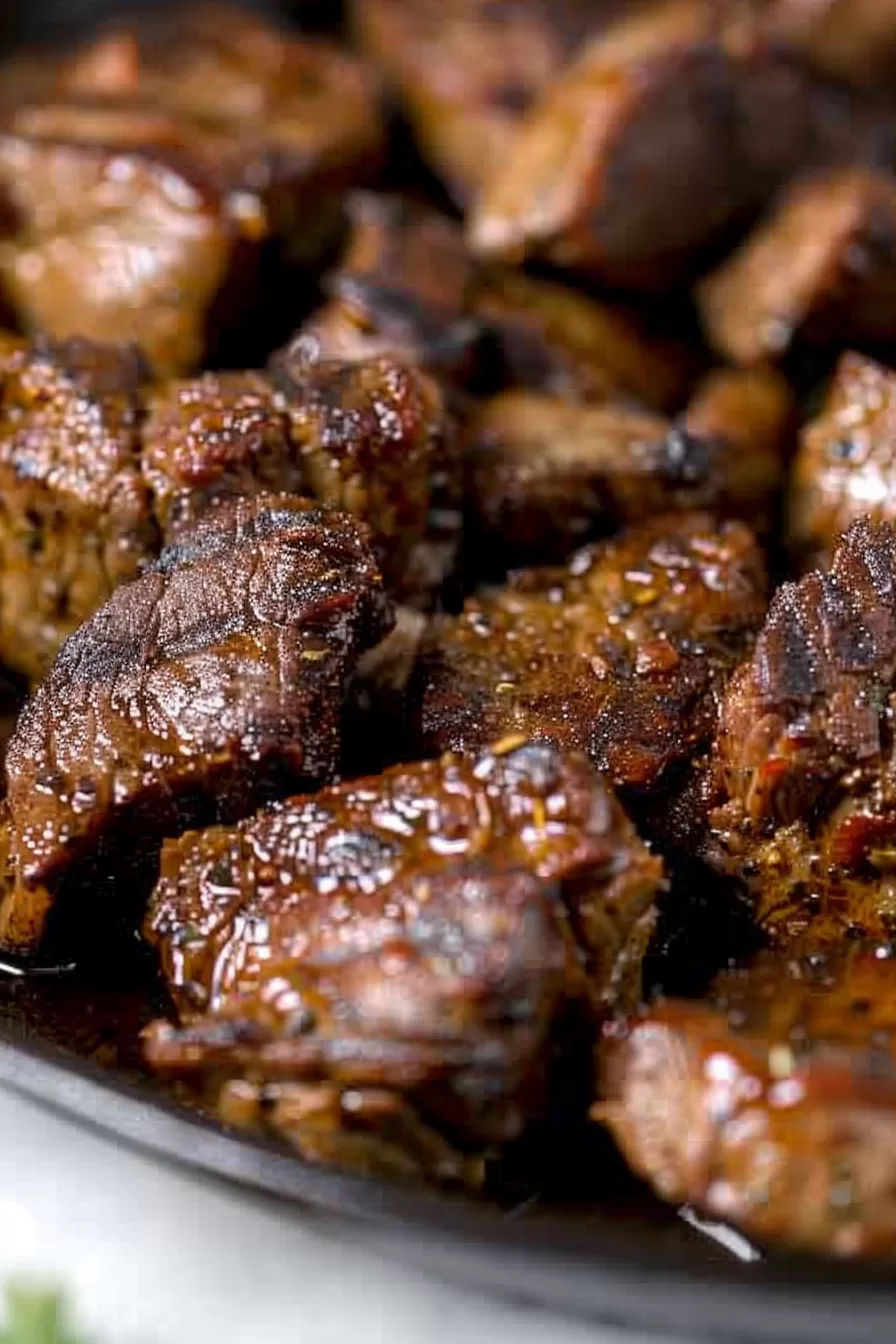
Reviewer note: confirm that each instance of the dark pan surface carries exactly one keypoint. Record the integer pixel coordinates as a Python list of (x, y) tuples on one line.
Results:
[(566, 1226)]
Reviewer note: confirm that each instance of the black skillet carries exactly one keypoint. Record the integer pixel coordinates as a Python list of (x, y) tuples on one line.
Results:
[(566, 1226)]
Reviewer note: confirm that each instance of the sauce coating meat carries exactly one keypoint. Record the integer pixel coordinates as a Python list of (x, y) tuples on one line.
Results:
[(621, 654), (820, 270), (213, 682), (374, 972), (771, 1104), (141, 177), (846, 464), (75, 513)]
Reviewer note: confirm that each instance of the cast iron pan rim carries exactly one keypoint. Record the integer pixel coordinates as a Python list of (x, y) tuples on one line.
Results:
[(607, 1271)]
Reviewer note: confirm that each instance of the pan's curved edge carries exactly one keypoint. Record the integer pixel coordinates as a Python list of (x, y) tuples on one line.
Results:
[(612, 1277)]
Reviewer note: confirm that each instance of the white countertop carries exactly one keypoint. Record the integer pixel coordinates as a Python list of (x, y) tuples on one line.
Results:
[(153, 1255)]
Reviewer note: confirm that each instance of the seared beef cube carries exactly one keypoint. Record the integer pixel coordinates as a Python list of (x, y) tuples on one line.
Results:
[(210, 684), (805, 756), (465, 71), (820, 271), (846, 465), (548, 337), (75, 515), (401, 288), (621, 654), (373, 438), (145, 181), (772, 1105), (545, 476), (209, 437), (664, 131), (374, 972)]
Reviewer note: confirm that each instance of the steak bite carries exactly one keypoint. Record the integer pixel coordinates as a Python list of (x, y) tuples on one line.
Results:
[(621, 654), (667, 128), (846, 464), (216, 435), (465, 71), (819, 271), (770, 1105), (75, 514), (373, 438), (805, 752), (147, 180), (546, 476), (374, 972), (209, 685)]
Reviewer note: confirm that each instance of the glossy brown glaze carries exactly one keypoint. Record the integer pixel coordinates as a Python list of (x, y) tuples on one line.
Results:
[(372, 437), (621, 654), (374, 972), (466, 70), (846, 465), (771, 1104), (75, 514), (671, 94), (545, 476), (213, 436), (204, 687), (820, 270)]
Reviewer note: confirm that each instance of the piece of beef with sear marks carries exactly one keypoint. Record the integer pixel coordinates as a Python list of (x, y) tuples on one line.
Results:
[(209, 685), (375, 973), (622, 654), (806, 807)]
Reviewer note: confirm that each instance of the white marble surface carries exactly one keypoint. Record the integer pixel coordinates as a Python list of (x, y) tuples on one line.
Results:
[(152, 1255)]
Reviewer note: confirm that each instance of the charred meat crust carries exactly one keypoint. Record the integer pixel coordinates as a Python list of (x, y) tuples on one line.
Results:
[(420, 930), (622, 654), (209, 684)]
